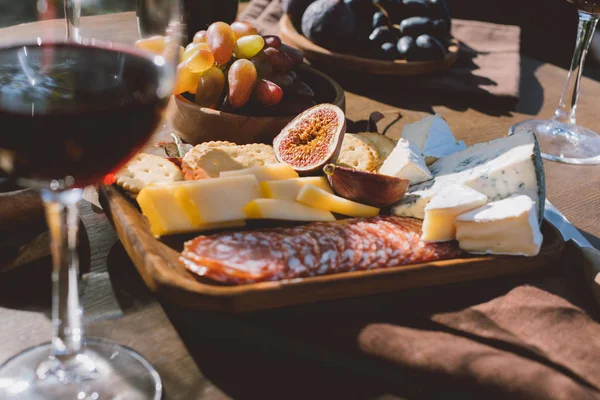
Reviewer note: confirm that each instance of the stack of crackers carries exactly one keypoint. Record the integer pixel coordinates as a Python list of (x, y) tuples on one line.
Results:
[(364, 151)]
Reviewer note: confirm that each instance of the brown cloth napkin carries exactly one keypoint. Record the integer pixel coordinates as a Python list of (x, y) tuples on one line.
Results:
[(531, 343), (489, 61)]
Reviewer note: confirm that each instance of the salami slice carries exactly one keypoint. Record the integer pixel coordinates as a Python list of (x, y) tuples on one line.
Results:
[(313, 249)]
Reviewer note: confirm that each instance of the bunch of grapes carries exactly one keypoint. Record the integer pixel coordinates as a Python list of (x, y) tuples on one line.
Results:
[(232, 68)]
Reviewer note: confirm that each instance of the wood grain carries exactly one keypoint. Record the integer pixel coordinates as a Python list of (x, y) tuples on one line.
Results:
[(321, 56), (159, 266)]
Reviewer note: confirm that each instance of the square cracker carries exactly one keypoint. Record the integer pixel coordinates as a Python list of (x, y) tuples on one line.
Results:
[(144, 169)]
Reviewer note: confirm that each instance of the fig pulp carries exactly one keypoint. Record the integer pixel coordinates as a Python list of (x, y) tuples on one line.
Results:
[(312, 139), (369, 188)]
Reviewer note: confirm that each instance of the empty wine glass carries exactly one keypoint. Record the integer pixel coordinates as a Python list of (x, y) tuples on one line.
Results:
[(78, 110), (561, 138)]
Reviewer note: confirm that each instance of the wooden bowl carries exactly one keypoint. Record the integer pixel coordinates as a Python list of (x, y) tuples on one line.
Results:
[(320, 55), (197, 124)]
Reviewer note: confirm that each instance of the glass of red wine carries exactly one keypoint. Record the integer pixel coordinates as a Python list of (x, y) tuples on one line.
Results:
[(561, 138), (79, 105)]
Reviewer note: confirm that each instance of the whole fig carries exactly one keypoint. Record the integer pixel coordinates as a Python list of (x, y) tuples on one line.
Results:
[(331, 24), (295, 9)]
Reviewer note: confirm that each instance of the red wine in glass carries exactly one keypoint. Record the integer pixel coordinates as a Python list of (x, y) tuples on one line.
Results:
[(70, 115), (77, 111)]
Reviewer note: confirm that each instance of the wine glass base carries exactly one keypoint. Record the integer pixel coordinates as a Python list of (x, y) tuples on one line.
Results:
[(113, 372), (566, 143)]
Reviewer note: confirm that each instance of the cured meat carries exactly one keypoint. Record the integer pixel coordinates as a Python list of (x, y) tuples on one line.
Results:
[(315, 249)]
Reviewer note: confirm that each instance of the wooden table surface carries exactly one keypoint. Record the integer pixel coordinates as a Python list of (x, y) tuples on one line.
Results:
[(259, 355)]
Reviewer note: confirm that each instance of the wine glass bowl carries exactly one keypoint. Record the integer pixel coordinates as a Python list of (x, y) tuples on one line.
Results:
[(83, 101)]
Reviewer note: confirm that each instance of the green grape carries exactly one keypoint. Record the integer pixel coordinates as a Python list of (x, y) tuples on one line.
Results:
[(210, 87), (221, 39), (248, 46), (243, 28), (242, 79), (200, 61)]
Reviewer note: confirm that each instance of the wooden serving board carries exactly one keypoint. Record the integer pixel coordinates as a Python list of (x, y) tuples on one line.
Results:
[(319, 55), (158, 263)]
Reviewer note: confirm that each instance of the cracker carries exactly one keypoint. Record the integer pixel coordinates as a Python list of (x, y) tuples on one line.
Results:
[(358, 153), (384, 144), (210, 162), (144, 169), (189, 163)]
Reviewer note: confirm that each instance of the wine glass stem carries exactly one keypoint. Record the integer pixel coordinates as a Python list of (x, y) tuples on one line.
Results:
[(565, 113), (72, 14), (63, 219)]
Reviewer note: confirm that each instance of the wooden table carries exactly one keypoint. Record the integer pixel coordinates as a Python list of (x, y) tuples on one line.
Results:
[(215, 356)]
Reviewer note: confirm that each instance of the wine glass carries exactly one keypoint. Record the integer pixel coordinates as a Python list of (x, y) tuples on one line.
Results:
[(78, 109), (560, 138)]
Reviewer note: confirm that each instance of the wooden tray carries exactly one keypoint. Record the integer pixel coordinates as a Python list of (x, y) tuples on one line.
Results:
[(159, 266), (320, 55)]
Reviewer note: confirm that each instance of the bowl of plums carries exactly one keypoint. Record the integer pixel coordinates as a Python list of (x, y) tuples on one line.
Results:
[(236, 85), (383, 37)]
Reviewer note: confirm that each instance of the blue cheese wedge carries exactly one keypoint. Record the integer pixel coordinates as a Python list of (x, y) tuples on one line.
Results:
[(444, 207), (508, 226), (433, 137), (498, 169), (406, 162)]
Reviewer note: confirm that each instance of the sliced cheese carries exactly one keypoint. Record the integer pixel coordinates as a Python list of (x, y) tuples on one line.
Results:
[(318, 198), (406, 162), (498, 169), (218, 199), (166, 217), (508, 226), (289, 189), (433, 136), (269, 172), (285, 210), (444, 207)]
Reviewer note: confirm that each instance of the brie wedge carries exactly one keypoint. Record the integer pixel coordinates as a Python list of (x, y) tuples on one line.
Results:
[(444, 207), (433, 137), (406, 162), (498, 169), (508, 226)]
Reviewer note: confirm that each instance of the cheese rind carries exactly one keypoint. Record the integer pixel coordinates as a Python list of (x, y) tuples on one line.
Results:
[(166, 217), (289, 189), (438, 225), (218, 199), (508, 227), (406, 162), (285, 210), (433, 136), (269, 172), (318, 198), (498, 169)]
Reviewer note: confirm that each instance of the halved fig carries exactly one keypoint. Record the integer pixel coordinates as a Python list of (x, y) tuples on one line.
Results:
[(370, 188), (312, 139)]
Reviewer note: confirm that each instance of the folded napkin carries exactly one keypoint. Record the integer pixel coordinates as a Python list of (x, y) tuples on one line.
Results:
[(533, 342), (488, 64)]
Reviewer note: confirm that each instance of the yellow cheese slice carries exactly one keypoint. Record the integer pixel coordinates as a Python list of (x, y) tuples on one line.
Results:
[(166, 217), (285, 210), (318, 198), (269, 172), (289, 189), (218, 199)]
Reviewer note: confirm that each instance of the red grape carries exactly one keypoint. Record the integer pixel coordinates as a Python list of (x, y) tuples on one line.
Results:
[(242, 79), (278, 59), (272, 41), (268, 93)]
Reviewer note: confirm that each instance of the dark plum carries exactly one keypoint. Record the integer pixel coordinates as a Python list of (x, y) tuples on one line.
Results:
[(295, 9), (416, 8), (416, 26), (381, 35), (429, 48), (379, 19), (389, 51), (331, 24), (406, 47), (441, 10)]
